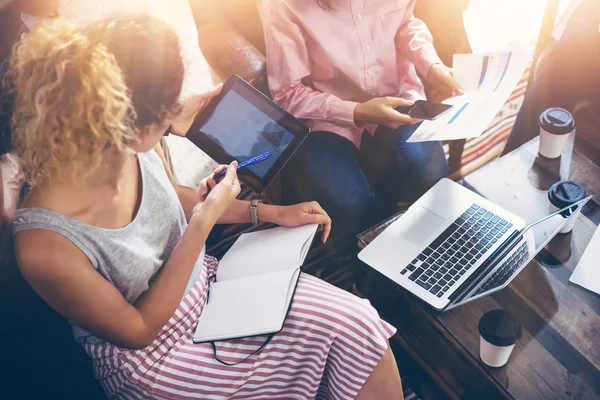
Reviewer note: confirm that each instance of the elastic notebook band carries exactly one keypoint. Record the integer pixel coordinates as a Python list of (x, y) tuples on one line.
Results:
[(214, 346)]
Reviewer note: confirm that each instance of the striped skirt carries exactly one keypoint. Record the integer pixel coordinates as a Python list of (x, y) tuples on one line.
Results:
[(330, 343)]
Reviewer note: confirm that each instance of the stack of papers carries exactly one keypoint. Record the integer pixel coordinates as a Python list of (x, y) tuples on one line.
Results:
[(488, 80)]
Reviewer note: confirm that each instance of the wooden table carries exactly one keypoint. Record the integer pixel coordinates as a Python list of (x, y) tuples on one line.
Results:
[(558, 356)]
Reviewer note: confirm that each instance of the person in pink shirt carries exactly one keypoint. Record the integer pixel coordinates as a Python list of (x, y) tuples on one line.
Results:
[(342, 66)]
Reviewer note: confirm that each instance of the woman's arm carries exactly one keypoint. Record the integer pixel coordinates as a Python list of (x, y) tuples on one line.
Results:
[(237, 213), (63, 276)]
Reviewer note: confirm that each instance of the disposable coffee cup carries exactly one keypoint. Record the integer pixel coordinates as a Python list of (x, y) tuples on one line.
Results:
[(499, 331), (562, 194), (555, 126)]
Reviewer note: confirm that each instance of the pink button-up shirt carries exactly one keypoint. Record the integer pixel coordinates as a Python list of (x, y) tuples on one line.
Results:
[(322, 63)]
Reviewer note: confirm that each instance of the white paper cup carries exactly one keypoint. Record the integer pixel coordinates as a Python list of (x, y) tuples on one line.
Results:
[(551, 145), (499, 330), (558, 199), (492, 355), (556, 124)]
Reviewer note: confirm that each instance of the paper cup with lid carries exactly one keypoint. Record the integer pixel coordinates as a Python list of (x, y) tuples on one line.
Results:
[(555, 126), (562, 194), (499, 330)]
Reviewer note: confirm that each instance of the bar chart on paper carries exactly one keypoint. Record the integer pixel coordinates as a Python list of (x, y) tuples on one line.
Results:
[(488, 81)]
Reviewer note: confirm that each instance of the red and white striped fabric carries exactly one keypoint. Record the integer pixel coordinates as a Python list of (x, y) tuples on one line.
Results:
[(329, 345)]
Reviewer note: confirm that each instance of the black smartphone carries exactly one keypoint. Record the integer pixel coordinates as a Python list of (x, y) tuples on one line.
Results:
[(428, 110)]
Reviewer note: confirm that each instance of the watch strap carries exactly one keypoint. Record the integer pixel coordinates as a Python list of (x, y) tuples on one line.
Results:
[(254, 211)]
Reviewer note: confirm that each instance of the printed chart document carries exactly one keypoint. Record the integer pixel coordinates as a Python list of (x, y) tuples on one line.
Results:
[(255, 284), (587, 272), (488, 81)]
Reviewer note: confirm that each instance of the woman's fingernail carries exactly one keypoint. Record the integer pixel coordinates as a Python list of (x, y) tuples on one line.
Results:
[(202, 191)]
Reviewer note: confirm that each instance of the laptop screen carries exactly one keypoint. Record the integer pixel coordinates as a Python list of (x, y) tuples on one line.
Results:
[(538, 234), (542, 231)]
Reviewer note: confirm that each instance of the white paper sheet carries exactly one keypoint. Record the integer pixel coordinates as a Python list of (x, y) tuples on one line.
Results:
[(266, 251), (246, 307), (488, 81), (587, 272)]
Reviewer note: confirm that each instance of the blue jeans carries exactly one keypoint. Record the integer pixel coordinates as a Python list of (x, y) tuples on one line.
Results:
[(359, 188)]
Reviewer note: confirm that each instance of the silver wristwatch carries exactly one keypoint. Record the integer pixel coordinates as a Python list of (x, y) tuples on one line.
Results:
[(254, 211)]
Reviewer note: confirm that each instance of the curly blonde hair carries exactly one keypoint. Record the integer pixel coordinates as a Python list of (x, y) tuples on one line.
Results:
[(71, 102)]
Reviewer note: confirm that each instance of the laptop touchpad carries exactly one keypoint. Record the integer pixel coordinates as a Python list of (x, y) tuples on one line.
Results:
[(419, 224)]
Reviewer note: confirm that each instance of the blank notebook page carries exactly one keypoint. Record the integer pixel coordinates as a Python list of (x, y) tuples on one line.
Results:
[(266, 251), (246, 307)]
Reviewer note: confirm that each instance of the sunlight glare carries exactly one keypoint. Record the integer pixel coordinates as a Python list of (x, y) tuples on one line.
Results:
[(503, 25)]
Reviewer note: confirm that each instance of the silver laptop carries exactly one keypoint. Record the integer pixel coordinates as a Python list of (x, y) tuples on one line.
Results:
[(453, 246)]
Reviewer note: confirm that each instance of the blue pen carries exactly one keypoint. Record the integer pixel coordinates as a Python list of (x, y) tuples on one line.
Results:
[(252, 161)]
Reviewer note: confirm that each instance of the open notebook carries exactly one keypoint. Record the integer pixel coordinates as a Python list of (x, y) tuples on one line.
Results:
[(256, 281)]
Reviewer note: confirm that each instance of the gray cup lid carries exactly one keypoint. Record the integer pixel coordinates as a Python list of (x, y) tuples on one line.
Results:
[(557, 121), (564, 193)]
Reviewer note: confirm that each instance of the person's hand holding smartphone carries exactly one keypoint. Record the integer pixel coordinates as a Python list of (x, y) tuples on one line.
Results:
[(427, 110), (383, 111)]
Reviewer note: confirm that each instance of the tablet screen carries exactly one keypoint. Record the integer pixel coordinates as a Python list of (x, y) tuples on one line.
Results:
[(249, 134), (241, 123)]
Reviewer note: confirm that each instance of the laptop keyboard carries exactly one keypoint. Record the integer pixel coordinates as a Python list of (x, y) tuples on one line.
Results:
[(456, 250), (502, 274)]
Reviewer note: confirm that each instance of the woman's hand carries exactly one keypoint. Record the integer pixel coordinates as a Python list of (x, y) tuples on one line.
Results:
[(304, 214), (191, 108), (207, 184), (381, 111), (442, 82), (288, 216), (215, 198)]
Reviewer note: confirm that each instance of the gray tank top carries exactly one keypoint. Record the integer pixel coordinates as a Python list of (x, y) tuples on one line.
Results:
[(131, 256)]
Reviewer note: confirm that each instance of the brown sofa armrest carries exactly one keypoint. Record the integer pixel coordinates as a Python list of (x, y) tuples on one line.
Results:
[(228, 52)]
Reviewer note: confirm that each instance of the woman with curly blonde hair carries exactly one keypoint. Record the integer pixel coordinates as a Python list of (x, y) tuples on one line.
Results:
[(109, 241)]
